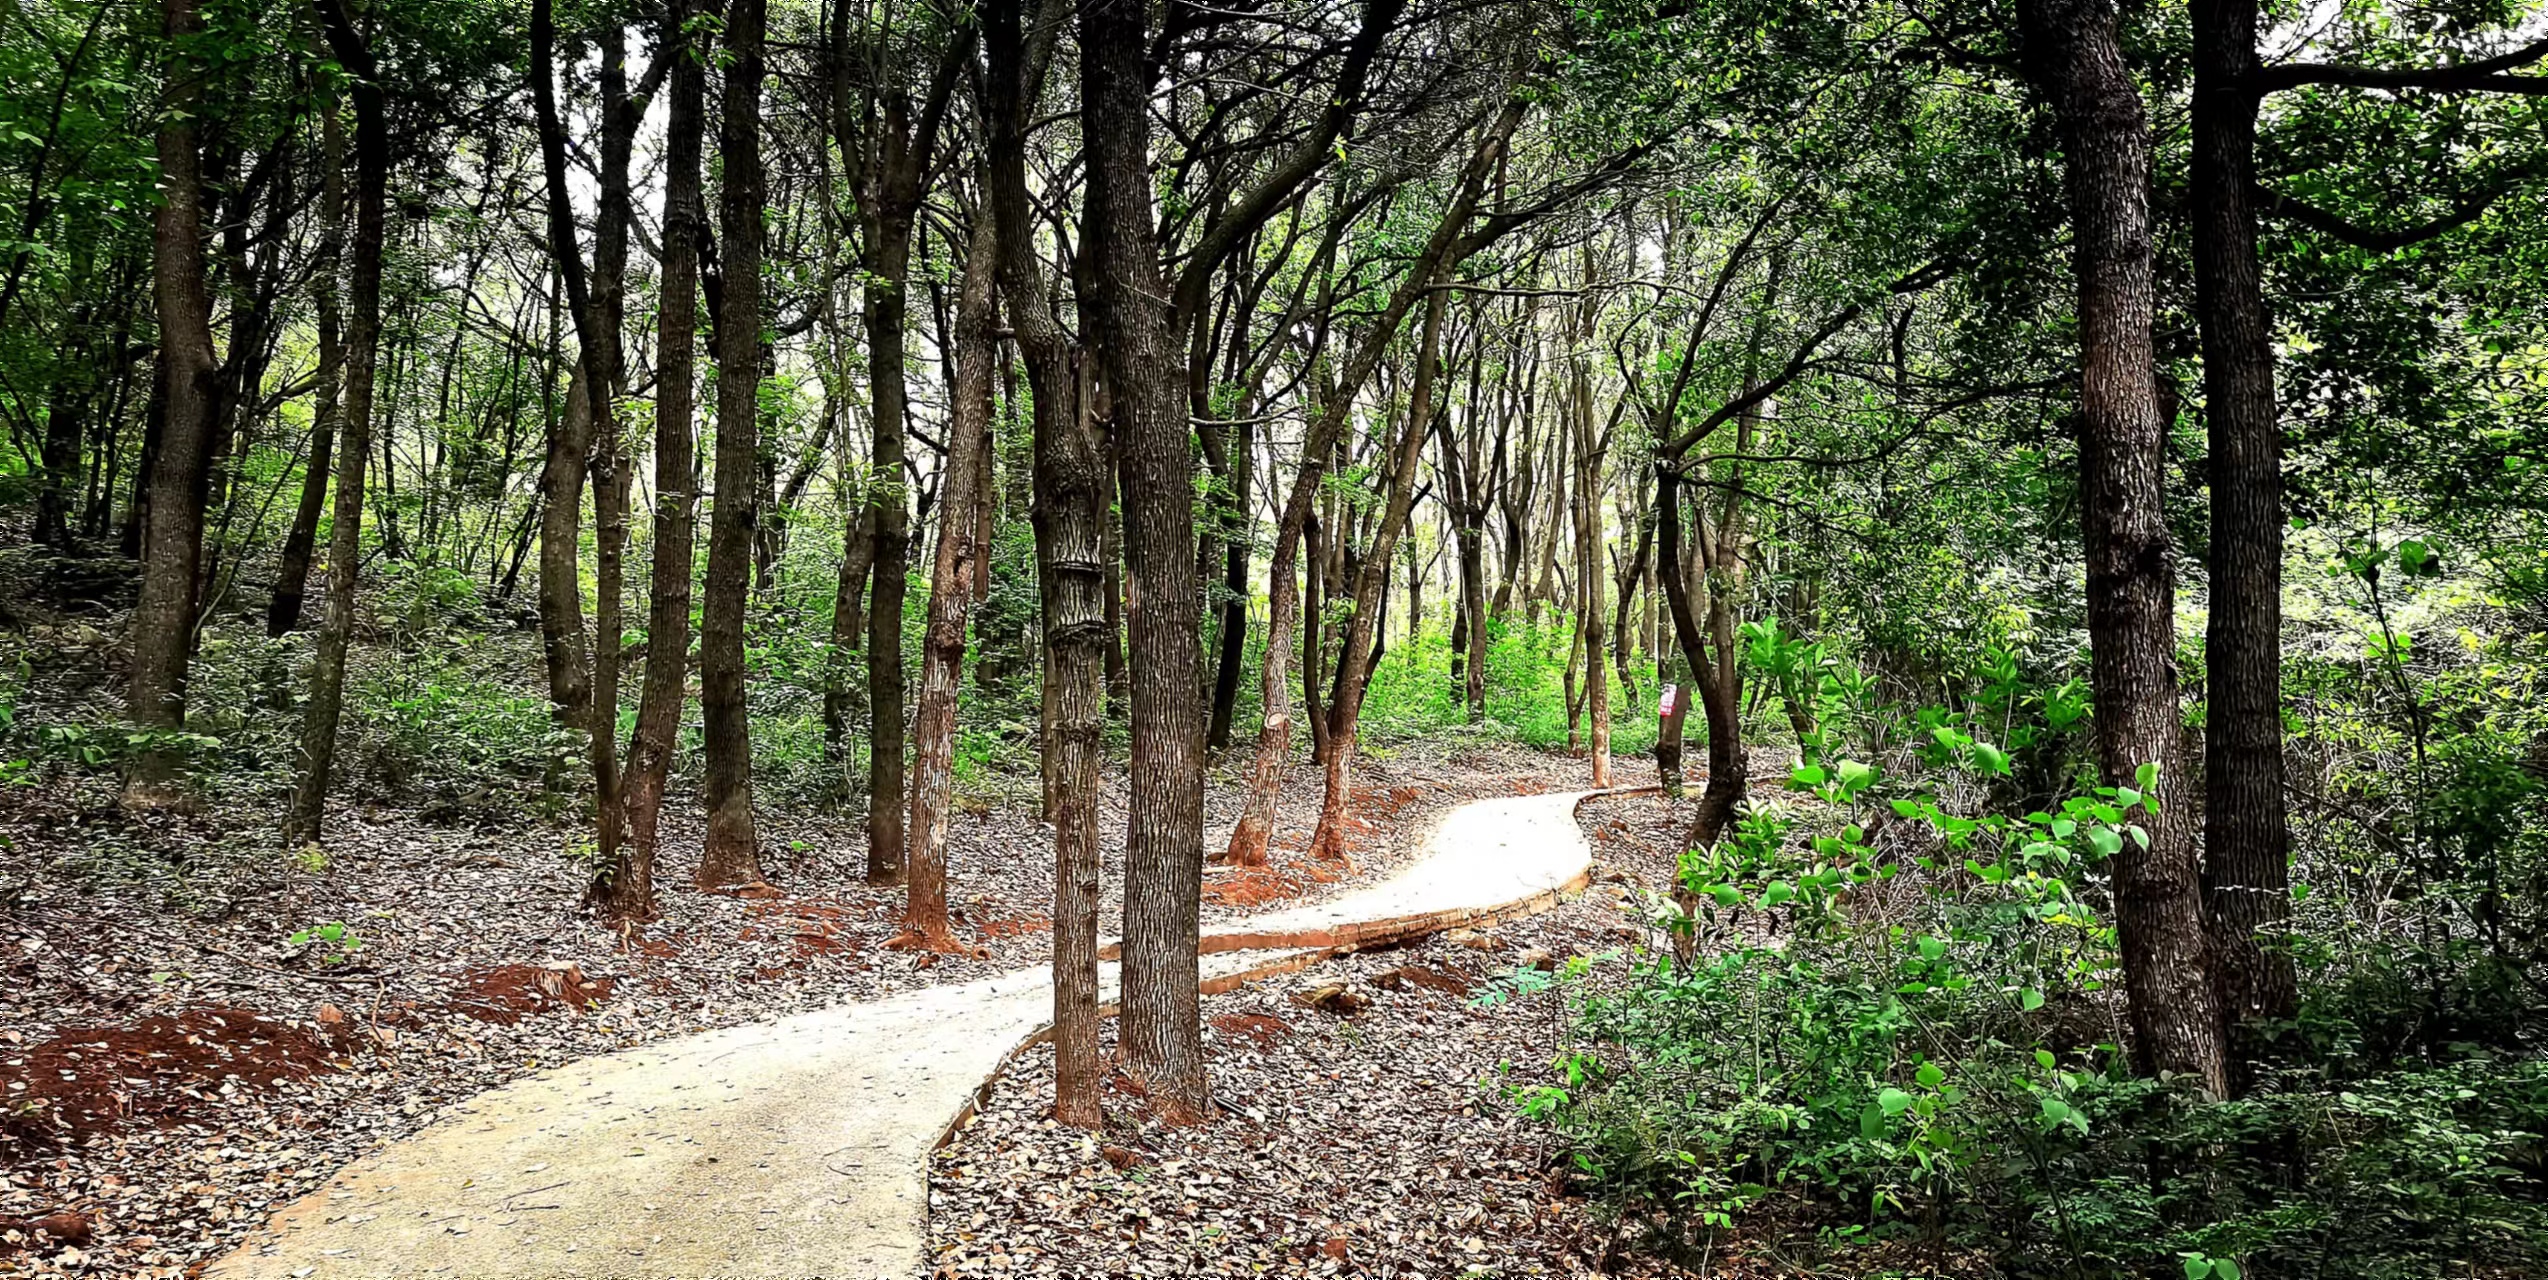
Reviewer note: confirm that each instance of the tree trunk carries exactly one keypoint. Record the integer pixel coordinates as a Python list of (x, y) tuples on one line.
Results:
[(1234, 580), (626, 891), (1070, 484), (959, 567), (561, 599), (731, 855), (849, 631), (292, 578), (1588, 557), (1354, 663), (2246, 841), (1162, 1031), (2075, 58), (172, 527), (362, 351)]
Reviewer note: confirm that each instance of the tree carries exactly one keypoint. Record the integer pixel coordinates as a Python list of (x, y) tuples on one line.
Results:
[(1069, 515), (626, 889), (2075, 60), (731, 855), (1127, 312), (959, 569), (362, 358), (172, 540)]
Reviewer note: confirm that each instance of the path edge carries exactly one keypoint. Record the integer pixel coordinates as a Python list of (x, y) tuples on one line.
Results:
[(1302, 948)]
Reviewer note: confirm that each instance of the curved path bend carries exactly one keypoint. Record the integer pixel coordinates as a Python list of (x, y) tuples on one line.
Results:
[(799, 1148)]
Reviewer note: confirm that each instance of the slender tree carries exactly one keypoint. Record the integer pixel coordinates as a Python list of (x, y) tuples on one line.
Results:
[(732, 855), (362, 358), (626, 890), (959, 568), (172, 519)]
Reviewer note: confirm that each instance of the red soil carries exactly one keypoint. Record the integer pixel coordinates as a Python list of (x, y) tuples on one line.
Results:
[(156, 1071)]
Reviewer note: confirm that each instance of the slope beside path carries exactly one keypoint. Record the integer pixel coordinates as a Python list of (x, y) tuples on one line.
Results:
[(798, 1147)]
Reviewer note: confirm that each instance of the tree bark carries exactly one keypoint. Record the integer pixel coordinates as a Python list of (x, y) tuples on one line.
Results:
[(731, 855), (958, 569), (626, 891), (2247, 838), (889, 154), (1070, 485), (283, 616), (362, 350), (1588, 565), (172, 525), (1354, 663), (2074, 56), (1162, 1035)]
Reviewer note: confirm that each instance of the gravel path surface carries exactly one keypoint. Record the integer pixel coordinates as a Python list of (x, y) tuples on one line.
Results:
[(171, 1071), (798, 1148)]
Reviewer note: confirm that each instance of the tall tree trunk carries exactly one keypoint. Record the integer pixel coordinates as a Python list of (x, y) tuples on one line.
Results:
[(362, 352), (625, 891), (890, 153), (1588, 565), (849, 630), (172, 535), (1162, 1031), (960, 565), (1354, 663), (731, 855), (292, 578), (1069, 513), (2075, 58), (561, 598), (2247, 838), (593, 302)]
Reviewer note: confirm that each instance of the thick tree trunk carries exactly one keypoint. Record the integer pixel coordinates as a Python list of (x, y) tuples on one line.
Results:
[(958, 569), (2074, 55), (362, 351), (2246, 841), (172, 527), (731, 855), (626, 891), (1162, 1030)]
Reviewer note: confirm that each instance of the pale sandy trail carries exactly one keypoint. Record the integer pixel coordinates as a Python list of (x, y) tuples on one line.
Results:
[(799, 1148)]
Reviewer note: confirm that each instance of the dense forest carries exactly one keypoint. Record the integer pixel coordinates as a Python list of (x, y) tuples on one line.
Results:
[(2049, 492)]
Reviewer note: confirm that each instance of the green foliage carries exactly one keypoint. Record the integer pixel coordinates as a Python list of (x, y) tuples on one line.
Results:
[(1903, 1023)]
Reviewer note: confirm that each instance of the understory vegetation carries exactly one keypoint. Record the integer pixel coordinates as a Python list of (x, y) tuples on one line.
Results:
[(1901, 1025)]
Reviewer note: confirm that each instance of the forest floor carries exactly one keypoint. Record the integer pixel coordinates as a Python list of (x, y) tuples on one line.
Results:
[(1368, 1126), (174, 1066)]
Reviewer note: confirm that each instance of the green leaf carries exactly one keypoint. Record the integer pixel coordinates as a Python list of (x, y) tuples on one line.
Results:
[(2197, 1267), (1894, 1101), (1929, 1075), (2030, 999)]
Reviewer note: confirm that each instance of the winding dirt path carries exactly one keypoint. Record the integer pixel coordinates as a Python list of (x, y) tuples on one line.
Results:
[(798, 1148)]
